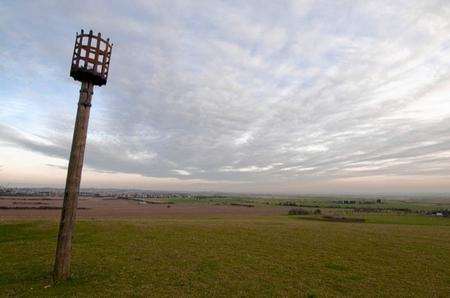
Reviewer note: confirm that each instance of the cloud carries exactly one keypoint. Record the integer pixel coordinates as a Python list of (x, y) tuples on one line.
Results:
[(57, 166), (182, 172), (288, 91)]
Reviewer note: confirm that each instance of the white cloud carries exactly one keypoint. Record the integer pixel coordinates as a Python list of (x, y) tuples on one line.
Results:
[(182, 172), (243, 139), (246, 169)]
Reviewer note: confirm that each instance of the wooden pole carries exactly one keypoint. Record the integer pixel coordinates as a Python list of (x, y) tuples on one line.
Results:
[(61, 269)]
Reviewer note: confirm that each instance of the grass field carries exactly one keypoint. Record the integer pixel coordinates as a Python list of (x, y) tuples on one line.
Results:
[(235, 256)]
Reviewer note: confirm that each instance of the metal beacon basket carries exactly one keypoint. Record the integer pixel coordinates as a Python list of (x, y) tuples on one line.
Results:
[(90, 60)]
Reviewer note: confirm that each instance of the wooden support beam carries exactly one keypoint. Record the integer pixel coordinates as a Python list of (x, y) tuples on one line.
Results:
[(63, 251)]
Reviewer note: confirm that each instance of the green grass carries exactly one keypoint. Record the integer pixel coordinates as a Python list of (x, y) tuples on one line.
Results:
[(413, 206), (407, 219), (254, 257), (386, 218)]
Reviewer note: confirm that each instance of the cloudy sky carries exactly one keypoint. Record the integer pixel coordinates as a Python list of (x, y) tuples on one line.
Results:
[(251, 96)]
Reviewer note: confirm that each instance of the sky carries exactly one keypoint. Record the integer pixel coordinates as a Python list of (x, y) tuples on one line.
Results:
[(238, 96)]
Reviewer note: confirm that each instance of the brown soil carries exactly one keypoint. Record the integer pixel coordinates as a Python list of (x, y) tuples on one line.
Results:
[(102, 208)]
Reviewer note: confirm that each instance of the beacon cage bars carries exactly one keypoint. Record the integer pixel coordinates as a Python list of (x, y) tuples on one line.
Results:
[(90, 60)]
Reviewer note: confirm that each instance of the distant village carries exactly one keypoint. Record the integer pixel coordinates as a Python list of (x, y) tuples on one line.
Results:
[(115, 193)]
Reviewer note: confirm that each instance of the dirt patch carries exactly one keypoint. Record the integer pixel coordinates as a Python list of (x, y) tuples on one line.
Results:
[(334, 218), (35, 208), (98, 208)]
